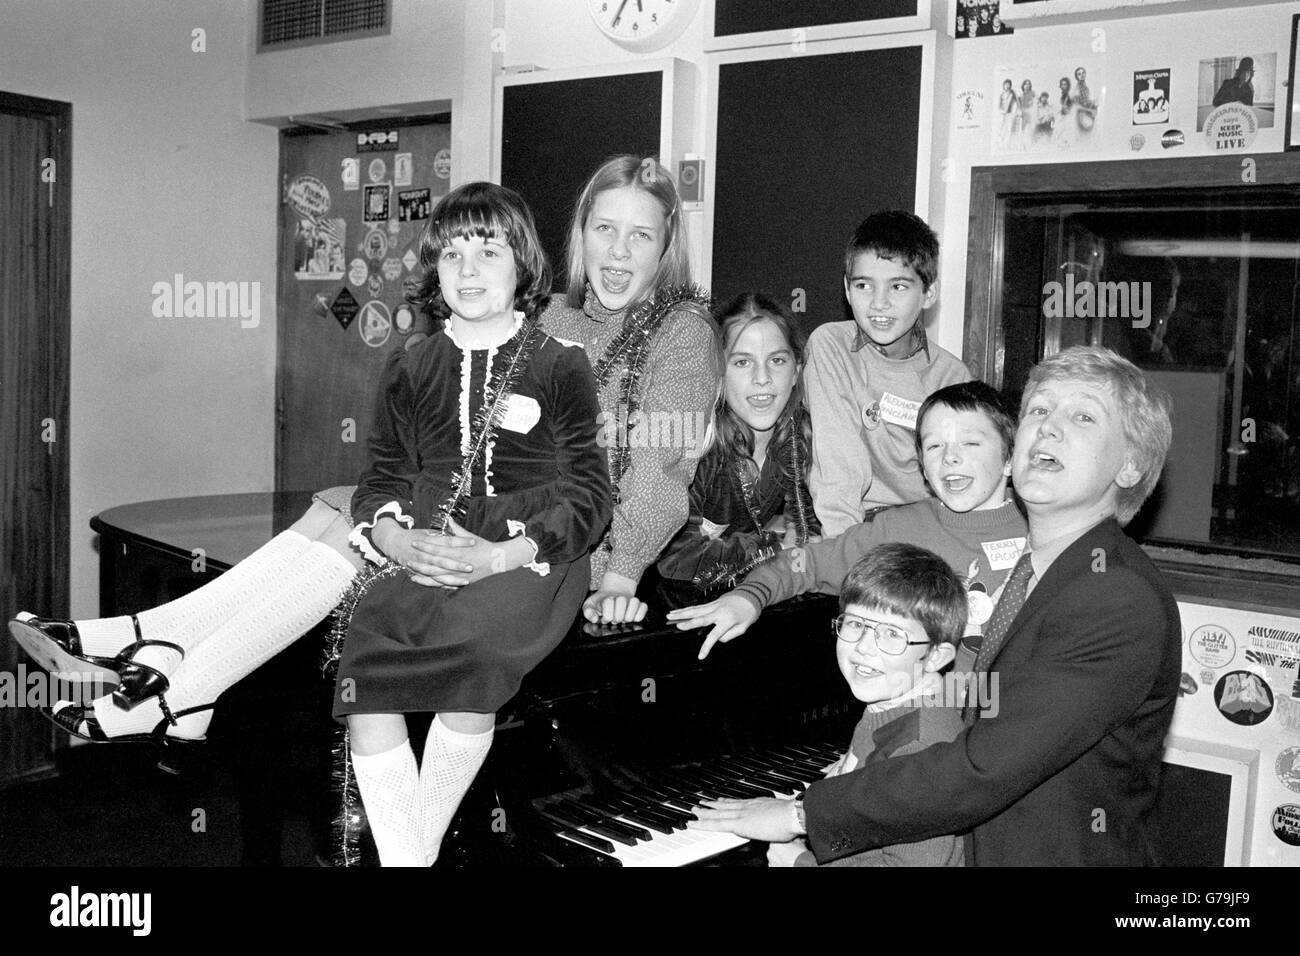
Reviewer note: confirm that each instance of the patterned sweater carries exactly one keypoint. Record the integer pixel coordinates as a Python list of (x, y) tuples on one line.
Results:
[(677, 389)]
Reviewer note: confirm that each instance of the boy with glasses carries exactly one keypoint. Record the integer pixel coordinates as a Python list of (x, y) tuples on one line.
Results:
[(903, 611)]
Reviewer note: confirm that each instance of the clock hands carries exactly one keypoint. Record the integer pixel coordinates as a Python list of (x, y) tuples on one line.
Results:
[(618, 15)]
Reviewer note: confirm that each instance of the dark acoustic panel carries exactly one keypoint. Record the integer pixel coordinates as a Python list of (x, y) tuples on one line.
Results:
[(554, 135), (745, 16), (807, 147)]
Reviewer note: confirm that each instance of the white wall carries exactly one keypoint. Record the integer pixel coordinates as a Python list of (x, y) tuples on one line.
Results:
[(166, 178)]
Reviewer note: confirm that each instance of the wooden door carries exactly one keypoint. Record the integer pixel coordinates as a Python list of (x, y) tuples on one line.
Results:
[(35, 162), (353, 205)]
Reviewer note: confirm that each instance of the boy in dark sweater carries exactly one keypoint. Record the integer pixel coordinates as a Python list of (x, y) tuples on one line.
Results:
[(902, 614)]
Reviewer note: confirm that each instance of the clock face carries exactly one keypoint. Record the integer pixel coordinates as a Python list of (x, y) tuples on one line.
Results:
[(642, 24)]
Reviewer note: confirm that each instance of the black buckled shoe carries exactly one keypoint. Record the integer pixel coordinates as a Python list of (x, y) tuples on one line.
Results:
[(56, 646), (138, 682), (80, 721)]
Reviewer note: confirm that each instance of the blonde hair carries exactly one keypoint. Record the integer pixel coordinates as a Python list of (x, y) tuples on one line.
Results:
[(1143, 409), (645, 174)]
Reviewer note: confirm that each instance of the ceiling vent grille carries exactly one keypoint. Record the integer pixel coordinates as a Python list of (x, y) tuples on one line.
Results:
[(301, 22)]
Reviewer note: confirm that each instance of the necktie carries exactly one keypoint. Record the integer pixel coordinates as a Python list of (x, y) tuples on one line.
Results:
[(1009, 605)]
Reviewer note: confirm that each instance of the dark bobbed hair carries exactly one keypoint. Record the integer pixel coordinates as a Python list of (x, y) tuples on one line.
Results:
[(485, 210), (897, 234), (646, 174), (911, 582), (730, 435), (972, 397)]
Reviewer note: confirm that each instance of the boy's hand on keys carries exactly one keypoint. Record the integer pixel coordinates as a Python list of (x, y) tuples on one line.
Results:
[(729, 617), (784, 854)]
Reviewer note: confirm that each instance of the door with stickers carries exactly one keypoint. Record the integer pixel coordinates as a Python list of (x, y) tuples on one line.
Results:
[(353, 203)]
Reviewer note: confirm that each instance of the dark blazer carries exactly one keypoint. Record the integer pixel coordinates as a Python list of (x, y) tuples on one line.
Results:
[(1066, 772)]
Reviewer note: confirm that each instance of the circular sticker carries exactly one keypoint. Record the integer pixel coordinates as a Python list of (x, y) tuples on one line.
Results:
[(375, 286), (404, 318), (377, 169), (394, 227), (357, 272), (1231, 126), (871, 416), (375, 325), (1287, 767), (308, 196), (1244, 698), (1187, 685), (442, 163), (1212, 645), (979, 607), (375, 245), (1286, 824), (1137, 141)]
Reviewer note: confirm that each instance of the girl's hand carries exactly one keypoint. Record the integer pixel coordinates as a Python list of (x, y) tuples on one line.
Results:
[(480, 556), (431, 559), (614, 602)]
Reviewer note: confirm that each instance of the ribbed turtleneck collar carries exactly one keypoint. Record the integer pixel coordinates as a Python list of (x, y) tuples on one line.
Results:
[(597, 312)]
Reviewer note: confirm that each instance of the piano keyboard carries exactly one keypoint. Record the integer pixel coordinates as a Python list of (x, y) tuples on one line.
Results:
[(648, 827)]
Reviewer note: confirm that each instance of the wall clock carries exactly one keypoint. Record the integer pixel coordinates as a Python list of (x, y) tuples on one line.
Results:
[(642, 25)]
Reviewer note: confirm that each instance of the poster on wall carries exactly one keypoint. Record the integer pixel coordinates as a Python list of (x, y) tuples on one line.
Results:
[(1150, 97), (318, 248), (980, 18), (1046, 107), (1236, 96)]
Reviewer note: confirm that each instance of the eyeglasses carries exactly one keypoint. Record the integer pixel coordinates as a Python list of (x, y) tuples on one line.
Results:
[(888, 639)]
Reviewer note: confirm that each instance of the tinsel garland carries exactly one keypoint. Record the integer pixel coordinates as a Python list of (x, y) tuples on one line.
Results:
[(628, 350), (350, 822), (725, 575)]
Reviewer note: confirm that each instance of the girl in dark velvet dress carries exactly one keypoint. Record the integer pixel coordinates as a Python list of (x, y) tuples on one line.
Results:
[(486, 431), (749, 498)]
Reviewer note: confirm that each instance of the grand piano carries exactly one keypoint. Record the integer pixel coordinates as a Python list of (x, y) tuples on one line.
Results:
[(597, 760)]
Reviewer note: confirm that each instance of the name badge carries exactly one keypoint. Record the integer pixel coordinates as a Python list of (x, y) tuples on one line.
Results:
[(899, 411), (711, 530), (522, 413), (1003, 555)]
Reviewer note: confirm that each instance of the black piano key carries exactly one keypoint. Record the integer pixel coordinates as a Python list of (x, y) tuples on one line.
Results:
[(775, 773), (758, 777), (640, 816), (566, 815), (632, 833), (587, 840), (801, 764), (628, 817), (687, 785), (768, 763), (669, 800), (730, 788), (675, 818)]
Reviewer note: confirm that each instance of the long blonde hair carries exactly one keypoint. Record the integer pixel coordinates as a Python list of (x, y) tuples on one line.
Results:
[(642, 173)]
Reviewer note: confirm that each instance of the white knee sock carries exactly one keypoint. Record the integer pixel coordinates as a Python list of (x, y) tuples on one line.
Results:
[(189, 619), (300, 597), (389, 785), (451, 762)]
